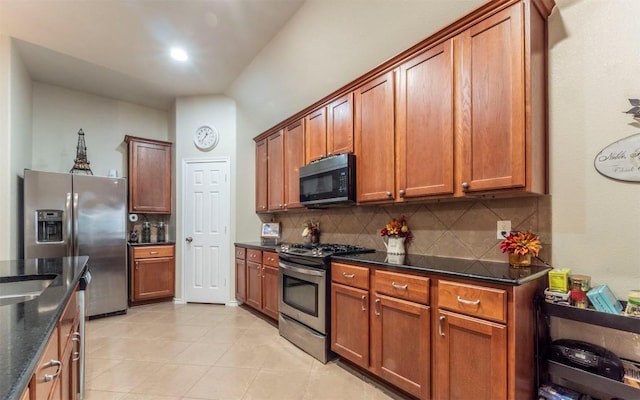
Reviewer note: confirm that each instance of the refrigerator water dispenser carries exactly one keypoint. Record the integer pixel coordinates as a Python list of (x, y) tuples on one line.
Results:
[(49, 226)]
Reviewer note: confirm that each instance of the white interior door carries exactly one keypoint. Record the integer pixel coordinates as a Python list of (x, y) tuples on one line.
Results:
[(207, 215)]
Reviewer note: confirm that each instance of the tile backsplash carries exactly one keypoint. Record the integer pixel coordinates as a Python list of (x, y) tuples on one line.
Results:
[(463, 229)]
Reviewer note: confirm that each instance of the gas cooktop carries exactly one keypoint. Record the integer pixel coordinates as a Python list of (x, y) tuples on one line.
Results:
[(322, 249)]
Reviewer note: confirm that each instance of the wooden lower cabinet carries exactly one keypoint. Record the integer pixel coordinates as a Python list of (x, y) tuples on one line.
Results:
[(270, 291), (472, 358), (350, 323), (152, 273), (46, 379), (374, 326), (400, 344), (260, 269), (478, 343), (70, 376)]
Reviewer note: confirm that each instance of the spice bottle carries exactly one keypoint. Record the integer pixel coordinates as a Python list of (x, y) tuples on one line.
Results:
[(146, 232)]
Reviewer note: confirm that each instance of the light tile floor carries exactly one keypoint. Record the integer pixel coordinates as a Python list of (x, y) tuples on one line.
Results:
[(197, 351)]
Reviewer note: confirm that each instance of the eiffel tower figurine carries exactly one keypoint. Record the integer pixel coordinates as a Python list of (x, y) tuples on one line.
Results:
[(81, 165)]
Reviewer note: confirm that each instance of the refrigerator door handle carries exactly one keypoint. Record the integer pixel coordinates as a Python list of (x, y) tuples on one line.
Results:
[(67, 221), (76, 244)]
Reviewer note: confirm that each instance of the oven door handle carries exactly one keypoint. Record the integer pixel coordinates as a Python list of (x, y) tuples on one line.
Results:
[(304, 271)]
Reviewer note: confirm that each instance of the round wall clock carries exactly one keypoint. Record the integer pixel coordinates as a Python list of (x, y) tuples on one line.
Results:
[(205, 137)]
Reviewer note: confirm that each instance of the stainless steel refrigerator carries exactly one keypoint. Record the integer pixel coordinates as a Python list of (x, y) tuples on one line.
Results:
[(68, 214)]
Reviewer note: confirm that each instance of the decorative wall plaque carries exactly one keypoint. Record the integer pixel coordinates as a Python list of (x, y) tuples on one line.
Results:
[(621, 160)]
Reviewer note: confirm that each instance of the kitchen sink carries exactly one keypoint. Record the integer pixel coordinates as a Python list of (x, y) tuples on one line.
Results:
[(18, 289)]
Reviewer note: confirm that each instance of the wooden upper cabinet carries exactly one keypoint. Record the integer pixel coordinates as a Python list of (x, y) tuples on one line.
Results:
[(275, 166), (340, 125), (149, 175), (425, 136), (261, 175), (316, 135), (493, 127), (374, 139), (294, 150)]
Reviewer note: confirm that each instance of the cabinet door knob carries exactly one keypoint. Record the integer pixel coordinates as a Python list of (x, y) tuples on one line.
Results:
[(402, 192), (364, 302), (388, 194), (465, 186), (189, 239), (375, 307), (285, 205), (440, 330)]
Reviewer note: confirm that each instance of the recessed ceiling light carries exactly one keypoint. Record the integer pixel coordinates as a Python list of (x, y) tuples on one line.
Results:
[(179, 54)]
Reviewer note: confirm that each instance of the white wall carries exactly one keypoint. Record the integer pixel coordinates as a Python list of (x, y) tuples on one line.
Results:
[(594, 69), (59, 113), (191, 113), (21, 143)]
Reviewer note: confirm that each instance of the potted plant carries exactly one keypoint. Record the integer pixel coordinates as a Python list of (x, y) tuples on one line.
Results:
[(521, 246), (398, 234)]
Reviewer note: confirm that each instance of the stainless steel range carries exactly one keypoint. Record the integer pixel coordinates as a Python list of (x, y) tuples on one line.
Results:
[(303, 294)]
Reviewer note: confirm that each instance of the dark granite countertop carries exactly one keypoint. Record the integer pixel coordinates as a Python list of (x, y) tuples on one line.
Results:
[(485, 271), (25, 327), (258, 246)]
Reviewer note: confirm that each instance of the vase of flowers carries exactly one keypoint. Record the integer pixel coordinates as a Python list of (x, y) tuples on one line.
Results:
[(521, 246), (311, 232), (398, 234)]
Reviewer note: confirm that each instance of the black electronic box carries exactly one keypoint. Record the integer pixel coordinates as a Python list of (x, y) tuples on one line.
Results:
[(588, 357)]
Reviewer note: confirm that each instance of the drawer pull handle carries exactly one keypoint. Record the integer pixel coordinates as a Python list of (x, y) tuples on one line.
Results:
[(375, 307), (350, 276), (153, 252), (364, 302), (440, 330), (53, 363), (468, 302), (396, 286)]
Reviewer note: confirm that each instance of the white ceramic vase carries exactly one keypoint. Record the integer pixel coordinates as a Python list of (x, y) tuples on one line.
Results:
[(395, 245)]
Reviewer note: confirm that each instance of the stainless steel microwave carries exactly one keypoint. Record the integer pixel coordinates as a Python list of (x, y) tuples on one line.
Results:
[(329, 181)]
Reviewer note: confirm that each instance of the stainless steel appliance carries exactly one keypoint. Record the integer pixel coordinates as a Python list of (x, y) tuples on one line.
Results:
[(329, 181), (303, 295), (70, 215), (83, 285)]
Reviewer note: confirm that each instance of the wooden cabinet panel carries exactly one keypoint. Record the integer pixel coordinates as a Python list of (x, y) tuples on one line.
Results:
[(425, 137), (149, 175), (471, 358), (270, 291), (350, 275), (316, 135), (49, 364), (403, 286), (254, 285), (473, 300), (340, 125), (254, 255), (350, 323), (152, 251), (400, 344), (241, 280), (152, 273), (240, 252), (294, 159), (270, 258), (261, 176), (275, 166), (492, 102), (374, 139)]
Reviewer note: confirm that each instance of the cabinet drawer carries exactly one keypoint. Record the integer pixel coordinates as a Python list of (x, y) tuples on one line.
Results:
[(254, 255), (473, 300), (240, 252), (350, 275), (403, 286), (270, 258), (68, 321), (152, 251)]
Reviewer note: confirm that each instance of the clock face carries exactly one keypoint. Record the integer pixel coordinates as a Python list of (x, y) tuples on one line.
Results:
[(205, 137)]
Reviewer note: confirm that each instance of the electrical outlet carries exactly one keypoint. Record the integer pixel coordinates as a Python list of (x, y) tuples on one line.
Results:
[(504, 227)]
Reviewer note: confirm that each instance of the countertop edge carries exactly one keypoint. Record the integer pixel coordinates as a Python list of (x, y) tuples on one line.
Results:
[(438, 271), (19, 386)]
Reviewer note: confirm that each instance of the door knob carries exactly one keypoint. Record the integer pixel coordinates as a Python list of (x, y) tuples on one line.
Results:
[(189, 239)]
